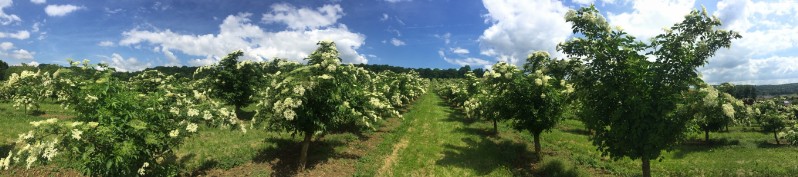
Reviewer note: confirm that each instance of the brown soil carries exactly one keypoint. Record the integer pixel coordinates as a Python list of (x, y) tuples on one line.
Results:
[(47, 170), (384, 170)]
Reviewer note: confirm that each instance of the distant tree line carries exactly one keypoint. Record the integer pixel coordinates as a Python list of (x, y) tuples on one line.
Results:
[(738, 91), (426, 72), (775, 90), (188, 71), (742, 92)]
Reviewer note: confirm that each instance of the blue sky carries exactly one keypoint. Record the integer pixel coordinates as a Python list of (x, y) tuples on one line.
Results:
[(133, 35)]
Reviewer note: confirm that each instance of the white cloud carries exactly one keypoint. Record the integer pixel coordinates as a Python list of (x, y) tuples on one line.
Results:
[(171, 58), (105, 44), (109, 11), (35, 27), (6, 19), (473, 62), (6, 45), (38, 1), (649, 17), (397, 42), (238, 33), (517, 31), (459, 50), (21, 35), (446, 37), (125, 65), (614, 1), (584, 2), (766, 53), (303, 18), (395, 1), (21, 54), (33, 63), (384, 17), (161, 6), (61, 10)]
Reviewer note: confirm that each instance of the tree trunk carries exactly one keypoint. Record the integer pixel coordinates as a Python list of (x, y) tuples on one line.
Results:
[(706, 136), (495, 128), (537, 144), (238, 112), (303, 157), (776, 137), (646, 167)]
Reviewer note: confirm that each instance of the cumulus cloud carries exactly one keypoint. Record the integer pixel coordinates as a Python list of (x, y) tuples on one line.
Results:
[(584, 2), (172, 60), (61, 10), (6, 19), (459, 50), (38, 1), (649, 17), (397, 42), (766, 53), (22, 54), (6, 45), (517, 31), (105, 44), (125, 65), (471, 61), (303, 18), (33, 63), (238, 33), (21, 35)]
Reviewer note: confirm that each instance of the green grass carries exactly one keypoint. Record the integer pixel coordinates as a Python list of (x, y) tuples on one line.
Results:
[(739, 152), (16, 121), (435, 140)]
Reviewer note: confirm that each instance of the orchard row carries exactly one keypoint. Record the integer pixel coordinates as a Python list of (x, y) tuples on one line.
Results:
[(127, 128)]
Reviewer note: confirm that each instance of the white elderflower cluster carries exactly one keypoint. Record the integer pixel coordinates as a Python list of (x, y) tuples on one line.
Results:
[(286, 107), (728, 110), (143, 167), (299, 90), (76, 134), (192, 112), (50, 151), (91, 98), (191, 127), (175, 110), (42, 122), (711, 99), (207, 115), (174, 133)]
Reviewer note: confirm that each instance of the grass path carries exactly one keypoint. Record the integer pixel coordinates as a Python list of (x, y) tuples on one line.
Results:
[(435, 140)]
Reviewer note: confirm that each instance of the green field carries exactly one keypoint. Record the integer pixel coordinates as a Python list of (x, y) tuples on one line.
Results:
[(435, 140)]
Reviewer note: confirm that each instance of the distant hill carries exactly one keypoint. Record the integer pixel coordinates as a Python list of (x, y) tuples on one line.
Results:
[(774, 90)]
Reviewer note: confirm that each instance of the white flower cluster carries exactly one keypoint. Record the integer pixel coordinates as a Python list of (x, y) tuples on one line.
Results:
[(711, 98), (143, 168), (286, 107), (48, 121), (76, 134), (728, 110), (191, 127), (174, 133)]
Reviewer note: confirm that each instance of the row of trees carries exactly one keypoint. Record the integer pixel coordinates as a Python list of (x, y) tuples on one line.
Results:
[(128, 127), (629, 93)]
